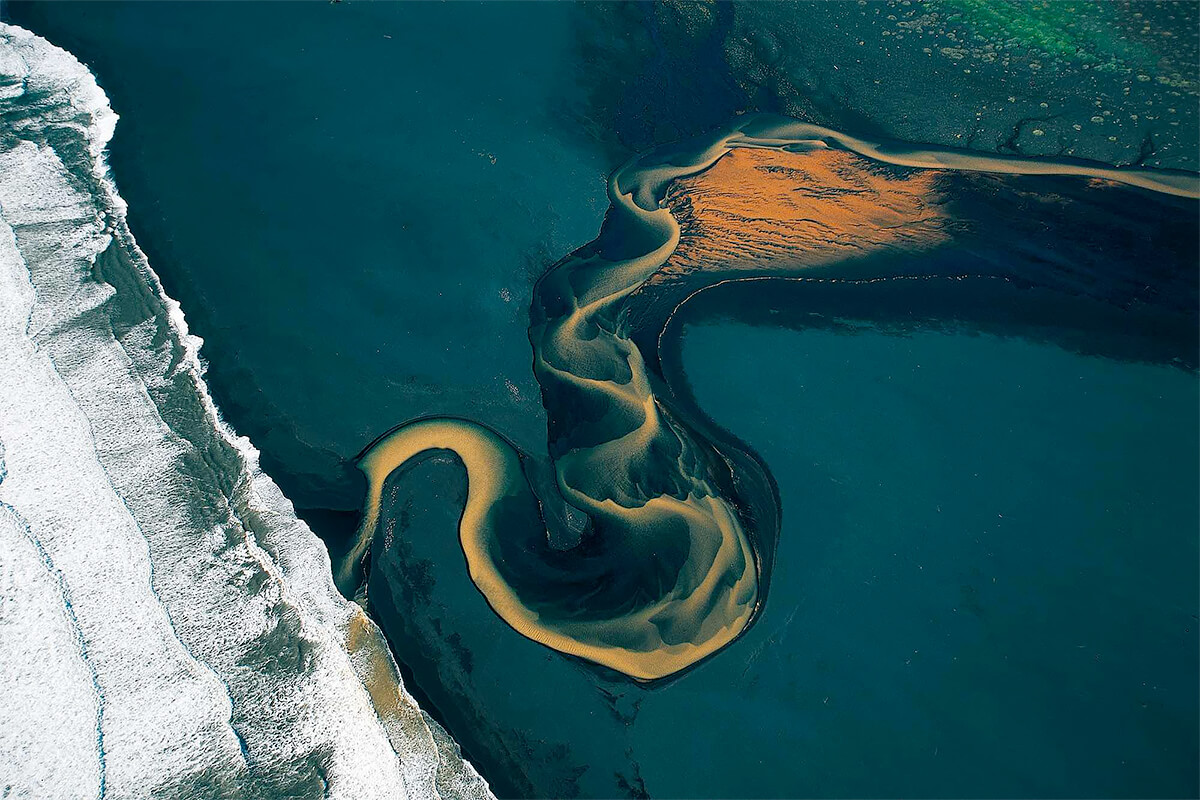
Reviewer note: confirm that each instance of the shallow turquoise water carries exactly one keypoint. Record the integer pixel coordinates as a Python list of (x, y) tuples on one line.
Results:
[(986, 575)]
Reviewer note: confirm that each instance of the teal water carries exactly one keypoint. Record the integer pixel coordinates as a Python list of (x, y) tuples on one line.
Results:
[(986, 578), (350, 201), (985, 586)]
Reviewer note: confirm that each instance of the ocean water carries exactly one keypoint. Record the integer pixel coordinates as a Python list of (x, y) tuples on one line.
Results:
[(984, 583), (985, 579), (986, 575), (356, 186)]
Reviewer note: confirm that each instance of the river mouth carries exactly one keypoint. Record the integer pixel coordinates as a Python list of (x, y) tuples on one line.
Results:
[(454, 342), (968, 401)]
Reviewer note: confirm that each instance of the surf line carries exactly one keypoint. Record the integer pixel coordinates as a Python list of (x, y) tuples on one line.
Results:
[(673, 566)]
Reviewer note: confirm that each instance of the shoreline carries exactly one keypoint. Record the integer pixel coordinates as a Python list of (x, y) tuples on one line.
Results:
[(226, 573)]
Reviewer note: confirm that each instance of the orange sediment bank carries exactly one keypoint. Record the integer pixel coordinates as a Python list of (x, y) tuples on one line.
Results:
[(676, 562), (630, 643), (756, 210)]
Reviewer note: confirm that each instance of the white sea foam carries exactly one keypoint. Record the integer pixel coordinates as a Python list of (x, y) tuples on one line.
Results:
[(168, 627)]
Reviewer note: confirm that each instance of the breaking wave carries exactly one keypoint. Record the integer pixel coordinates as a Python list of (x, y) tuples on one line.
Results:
[(168, 627)]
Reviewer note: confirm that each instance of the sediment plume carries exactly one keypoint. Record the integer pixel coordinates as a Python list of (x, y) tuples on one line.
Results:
[(675, 561)]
